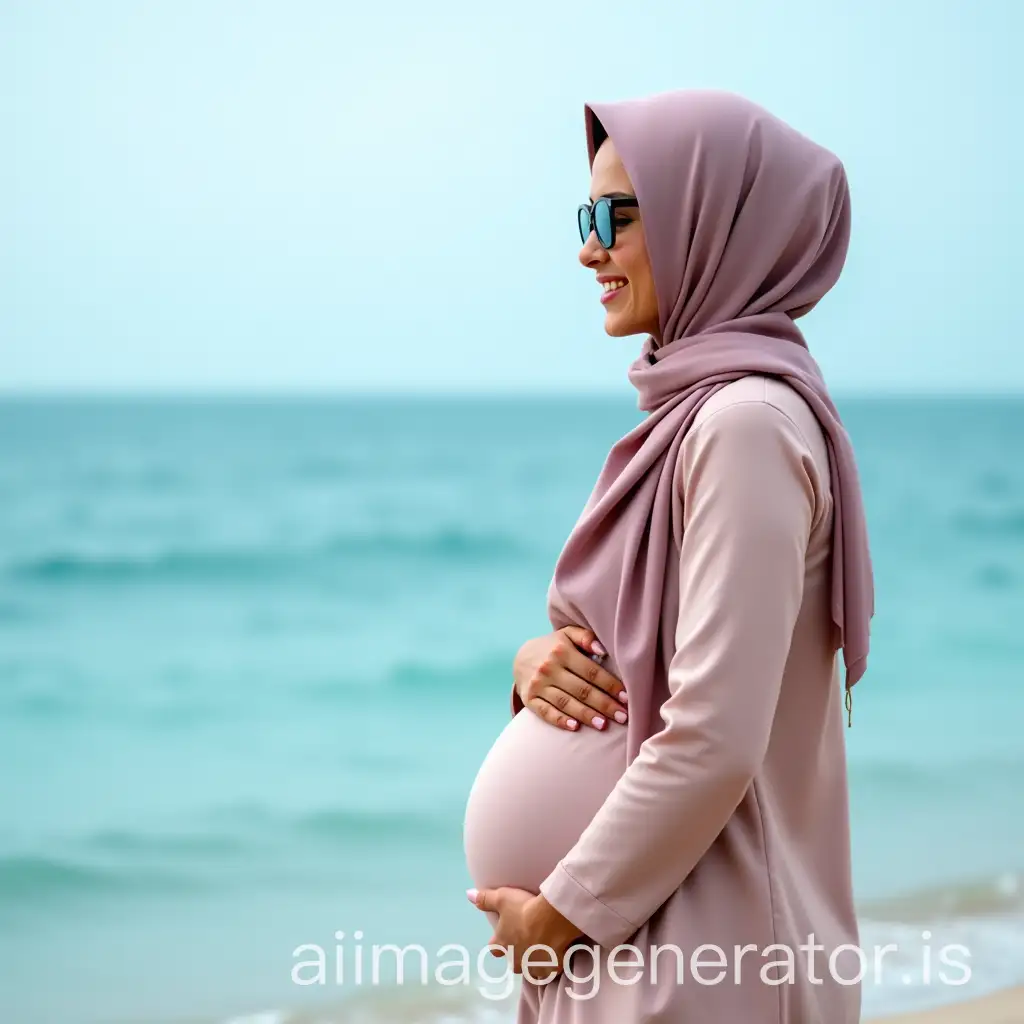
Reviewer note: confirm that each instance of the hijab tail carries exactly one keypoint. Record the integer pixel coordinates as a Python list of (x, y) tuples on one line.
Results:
[(854, 670)]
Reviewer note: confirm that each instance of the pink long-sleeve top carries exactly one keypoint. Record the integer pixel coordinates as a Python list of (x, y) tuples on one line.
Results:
[(731, 825)]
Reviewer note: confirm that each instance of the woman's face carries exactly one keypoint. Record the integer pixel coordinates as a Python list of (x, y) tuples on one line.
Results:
[(633, 308)]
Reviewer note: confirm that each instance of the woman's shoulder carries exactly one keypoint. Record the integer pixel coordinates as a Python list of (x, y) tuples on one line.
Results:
[(774, 403), (761, 425)]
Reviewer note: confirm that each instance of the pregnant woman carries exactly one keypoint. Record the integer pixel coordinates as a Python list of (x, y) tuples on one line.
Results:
[(718, 568)]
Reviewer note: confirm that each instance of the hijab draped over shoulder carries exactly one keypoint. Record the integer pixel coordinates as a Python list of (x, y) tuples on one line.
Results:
[(747, 225)]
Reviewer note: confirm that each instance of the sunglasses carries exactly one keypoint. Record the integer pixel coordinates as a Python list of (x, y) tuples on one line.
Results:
[(599, 217)]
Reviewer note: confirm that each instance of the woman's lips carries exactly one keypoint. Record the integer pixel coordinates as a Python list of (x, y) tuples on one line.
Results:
[(610, 296)]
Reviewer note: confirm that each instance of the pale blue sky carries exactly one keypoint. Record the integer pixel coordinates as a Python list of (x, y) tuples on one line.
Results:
[(308, 195)]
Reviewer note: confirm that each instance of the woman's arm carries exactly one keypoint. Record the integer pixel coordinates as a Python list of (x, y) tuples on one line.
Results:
[(748, 505)]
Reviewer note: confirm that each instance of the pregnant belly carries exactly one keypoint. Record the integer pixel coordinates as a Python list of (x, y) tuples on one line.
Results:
[(537, 790)]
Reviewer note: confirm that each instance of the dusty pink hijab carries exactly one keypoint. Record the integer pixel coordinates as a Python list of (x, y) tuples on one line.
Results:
[(747, 224)]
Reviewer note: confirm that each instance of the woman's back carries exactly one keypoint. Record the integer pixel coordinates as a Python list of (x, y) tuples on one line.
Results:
[(765, 900), (799, 801)]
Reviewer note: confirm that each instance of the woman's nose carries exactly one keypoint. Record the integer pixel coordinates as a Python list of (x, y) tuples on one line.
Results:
[(592, 254)]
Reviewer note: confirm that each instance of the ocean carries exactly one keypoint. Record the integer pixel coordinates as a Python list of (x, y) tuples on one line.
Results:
[(252, 652)]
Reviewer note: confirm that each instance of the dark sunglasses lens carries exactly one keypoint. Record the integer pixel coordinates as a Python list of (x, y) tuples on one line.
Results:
[(603, 223), (583, 223)]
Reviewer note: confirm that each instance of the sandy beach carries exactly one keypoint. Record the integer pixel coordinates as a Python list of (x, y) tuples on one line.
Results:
[(1005, 1007)]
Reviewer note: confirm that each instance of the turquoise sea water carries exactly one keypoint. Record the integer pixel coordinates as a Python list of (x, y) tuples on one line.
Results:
[(252, 653)]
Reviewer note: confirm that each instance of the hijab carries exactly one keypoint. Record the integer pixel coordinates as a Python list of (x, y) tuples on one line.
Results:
[(747, 225)]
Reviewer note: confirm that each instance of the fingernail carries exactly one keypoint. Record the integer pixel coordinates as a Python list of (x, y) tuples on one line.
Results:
[(598, 722), (624, 697), (471, 895), (572, 723), (620, 716), (598, 649)]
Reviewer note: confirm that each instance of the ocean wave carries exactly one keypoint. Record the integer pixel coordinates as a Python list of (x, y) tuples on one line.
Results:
[(905, 969), (28, 878), (12, 613), (995, 577), (446, 544), (899, 780), (996, 523), (326, 469), (480, 678), (468, 678), (245, 838), (914, 967), (224, 564), (253, 820), (999, 894), (378, 826), (142, 477), (393, 1004), (228, 833), (45, 705), (396, 1004), (239, 845), (164, 566), (144, 845)]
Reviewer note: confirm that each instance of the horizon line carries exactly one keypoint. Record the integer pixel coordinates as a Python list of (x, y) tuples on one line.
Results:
[(278, 393)]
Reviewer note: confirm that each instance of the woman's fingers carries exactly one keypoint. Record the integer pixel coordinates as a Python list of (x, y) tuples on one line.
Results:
[(571, 707), (585, 701), (584, 638), (559, 681), (552, 715), (605, 695)]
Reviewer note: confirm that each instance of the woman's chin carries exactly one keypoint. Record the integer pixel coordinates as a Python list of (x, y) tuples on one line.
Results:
[(617, 326), (620, 324)]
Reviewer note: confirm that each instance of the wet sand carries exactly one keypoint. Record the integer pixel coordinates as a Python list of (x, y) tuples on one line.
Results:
[(1000, 1008)]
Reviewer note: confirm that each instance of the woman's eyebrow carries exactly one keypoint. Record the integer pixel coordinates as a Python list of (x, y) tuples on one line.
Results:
[(613, 195)]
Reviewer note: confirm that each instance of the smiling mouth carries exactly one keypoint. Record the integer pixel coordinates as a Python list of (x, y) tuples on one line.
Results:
[(610, 294)]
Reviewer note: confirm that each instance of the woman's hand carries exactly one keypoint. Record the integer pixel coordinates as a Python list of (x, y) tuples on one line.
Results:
[(564, 685), (525, 921)]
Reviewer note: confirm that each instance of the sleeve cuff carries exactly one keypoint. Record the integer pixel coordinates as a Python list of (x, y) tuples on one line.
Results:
[(595, 919)]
